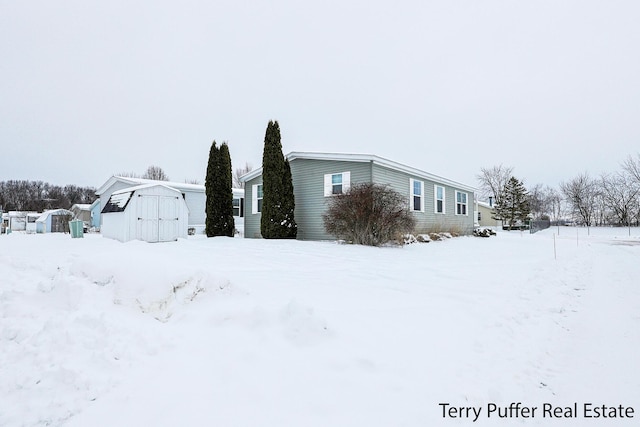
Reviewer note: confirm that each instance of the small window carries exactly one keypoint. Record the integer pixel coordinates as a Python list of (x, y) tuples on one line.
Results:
[(236, 207), (439, 199), (336, 183), (479, 216), (461, 203), (417, 191), (256, 198)]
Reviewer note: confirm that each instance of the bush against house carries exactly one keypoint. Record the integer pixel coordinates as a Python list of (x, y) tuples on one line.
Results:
[(278, 203), (368, 214)]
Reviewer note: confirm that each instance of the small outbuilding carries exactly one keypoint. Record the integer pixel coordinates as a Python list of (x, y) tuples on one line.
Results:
[(95, 215), (82, 212), (149, 212), (54, 221), (32, 217)]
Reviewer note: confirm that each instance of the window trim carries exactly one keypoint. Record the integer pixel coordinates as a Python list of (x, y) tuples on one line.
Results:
[(328, 183), (412, 195), (435, 199), (255, 198), (465, 204)]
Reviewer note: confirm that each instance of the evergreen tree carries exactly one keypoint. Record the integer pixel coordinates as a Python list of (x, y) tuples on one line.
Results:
[(210, 190), (277, 219), (219, 204), (514, 205), (224, 194)]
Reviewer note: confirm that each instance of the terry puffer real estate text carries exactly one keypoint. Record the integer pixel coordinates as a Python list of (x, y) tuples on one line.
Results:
[(546, 410)]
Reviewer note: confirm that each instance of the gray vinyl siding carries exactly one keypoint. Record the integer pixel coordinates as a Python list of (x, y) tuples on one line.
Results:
[(428, 220), (308, 188), (251, 220)]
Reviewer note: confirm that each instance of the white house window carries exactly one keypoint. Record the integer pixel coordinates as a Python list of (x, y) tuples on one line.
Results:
[(417, 191), (256, 198), (237, 207), (461, 203), (439, 199), (336, 183)]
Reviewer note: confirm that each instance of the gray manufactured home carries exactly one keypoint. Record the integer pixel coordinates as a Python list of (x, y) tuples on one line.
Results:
[(438, 204)]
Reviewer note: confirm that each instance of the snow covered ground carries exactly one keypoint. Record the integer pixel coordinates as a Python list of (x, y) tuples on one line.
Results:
[(240, 332)]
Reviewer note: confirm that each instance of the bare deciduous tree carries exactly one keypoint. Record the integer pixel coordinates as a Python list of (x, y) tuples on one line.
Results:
[(620, 194), (156, 173), (493, 180), (631, 167), (238, 172), (581, 193)]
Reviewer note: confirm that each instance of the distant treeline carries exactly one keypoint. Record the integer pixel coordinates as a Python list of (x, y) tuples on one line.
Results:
[(39, 196)]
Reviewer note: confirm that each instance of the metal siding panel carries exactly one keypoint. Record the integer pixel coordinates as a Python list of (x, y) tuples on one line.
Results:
[(428, 220), (251, 220), (308, 188)]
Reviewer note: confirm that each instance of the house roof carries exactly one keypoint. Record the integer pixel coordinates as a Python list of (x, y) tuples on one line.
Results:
[(485, 204), (348, 157)]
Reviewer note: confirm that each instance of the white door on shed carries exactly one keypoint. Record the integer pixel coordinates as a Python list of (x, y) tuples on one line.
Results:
[(147, 227), (168, 218)]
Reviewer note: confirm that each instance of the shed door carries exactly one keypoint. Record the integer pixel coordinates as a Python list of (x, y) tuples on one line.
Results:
[(58, 222), (168, 219), (147, 227), (157, 218)]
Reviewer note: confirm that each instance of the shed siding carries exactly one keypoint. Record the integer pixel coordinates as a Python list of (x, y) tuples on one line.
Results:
[(104, 197)]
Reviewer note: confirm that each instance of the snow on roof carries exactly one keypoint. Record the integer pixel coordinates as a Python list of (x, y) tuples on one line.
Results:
[(82, 206), (181, 186), (118, 201), (46, 214), (143, 186)]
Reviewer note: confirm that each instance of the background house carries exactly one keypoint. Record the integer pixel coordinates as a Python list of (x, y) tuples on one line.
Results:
[(149, 212), (485, 212), (437, 203), (32, 217), (82, 212)]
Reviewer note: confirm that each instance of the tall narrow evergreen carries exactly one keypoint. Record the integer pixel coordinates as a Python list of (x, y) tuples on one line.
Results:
[(224, 194), (209, 188), (277, 218), (219, 205)]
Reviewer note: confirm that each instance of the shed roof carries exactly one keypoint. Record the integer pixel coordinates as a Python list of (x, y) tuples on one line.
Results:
[(181, 186)]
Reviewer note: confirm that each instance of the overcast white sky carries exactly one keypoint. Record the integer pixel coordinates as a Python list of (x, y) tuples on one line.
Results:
[(90, 89)]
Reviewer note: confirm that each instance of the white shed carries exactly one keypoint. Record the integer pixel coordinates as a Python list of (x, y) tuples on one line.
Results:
[(150, 212)]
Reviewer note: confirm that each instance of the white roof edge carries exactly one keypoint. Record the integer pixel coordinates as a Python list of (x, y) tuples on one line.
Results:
[(349, 157), (141, 181), (142, 186)]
